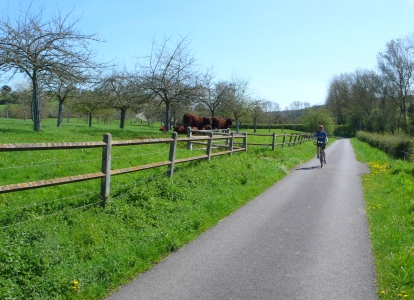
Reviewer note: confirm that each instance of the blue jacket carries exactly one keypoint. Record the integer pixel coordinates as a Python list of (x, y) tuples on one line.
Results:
[(321, 136)]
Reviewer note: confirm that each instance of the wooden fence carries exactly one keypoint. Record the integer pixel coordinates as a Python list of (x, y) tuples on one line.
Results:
[(107, 145), (286, 139)]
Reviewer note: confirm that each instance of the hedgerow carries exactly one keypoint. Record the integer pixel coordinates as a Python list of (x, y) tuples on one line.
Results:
[(398, 146)]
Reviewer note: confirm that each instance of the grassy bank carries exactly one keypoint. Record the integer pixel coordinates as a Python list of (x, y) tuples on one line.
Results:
[(389, 196), (57, 243)]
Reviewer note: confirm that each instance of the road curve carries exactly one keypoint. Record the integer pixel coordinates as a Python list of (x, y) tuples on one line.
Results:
[(306, 237)]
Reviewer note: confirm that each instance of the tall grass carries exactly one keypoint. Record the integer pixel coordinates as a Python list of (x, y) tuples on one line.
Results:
[(389, 196), (57, 243)]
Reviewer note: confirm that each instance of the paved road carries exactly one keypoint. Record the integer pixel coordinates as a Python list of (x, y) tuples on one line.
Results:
[(304, 238)]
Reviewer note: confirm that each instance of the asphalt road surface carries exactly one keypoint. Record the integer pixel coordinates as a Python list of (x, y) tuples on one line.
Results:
[(306, 237)]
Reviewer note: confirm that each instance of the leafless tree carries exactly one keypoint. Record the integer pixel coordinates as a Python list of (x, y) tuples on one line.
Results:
[(214, 93), (258, 109), (39, 46), (396, 63), (237, 102), (169, 74), (22, 96), (61, 89), (124, 92), (89, 103)]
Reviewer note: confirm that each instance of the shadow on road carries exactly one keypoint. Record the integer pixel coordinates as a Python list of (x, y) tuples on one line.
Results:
[(309, 168)]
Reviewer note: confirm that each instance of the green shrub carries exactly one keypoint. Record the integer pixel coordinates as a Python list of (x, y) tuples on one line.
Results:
[(398, 146)]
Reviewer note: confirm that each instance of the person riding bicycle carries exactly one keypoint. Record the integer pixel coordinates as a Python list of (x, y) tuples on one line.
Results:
[(321, 141)]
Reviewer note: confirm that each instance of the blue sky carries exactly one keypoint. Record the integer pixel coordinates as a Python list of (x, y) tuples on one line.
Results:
[(289, 50)]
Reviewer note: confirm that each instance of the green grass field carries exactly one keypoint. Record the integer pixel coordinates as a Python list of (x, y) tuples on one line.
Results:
[(59, 243)]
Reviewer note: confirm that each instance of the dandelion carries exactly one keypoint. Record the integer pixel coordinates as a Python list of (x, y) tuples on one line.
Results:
[(75, 285), (382, 292)]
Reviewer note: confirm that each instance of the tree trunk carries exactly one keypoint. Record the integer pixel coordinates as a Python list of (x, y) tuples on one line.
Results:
[(167, 116), (90, 119), (255, 124), (123, 114), (36, 103), (60, 114)]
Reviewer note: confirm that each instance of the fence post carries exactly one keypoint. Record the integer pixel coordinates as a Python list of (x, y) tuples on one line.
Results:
[(284, 138), (290, 139), (294, 141), (173, 148), (189, 143), (231, 142), (245, 141), (274, 141), (227, 131), (106, 168), (209, 144)]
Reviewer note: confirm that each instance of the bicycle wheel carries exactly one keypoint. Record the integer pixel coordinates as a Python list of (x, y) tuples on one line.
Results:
[(321, 157)]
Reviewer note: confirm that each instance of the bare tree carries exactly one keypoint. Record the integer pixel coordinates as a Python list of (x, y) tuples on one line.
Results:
[(258, 109), (62, 89), (237, 102), (89, 103), (397, 66), (214, 93), (169, 74), (22, 96), (38, 46), (124, 92)]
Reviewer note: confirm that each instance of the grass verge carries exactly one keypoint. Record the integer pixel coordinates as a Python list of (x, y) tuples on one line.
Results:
[(389, 196)]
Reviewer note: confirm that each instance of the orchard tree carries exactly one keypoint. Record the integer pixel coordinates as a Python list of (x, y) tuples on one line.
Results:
[(39, 46), (124, 92), (258, 108), (213, 93), (89, 103), (169, 74), (237, 102)]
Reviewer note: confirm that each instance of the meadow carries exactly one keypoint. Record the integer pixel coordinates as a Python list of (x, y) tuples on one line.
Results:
[(59, 243)]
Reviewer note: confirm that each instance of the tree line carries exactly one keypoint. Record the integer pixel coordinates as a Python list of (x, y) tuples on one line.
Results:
[(378, 100)]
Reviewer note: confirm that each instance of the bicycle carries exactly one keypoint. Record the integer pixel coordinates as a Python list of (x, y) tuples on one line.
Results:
[(321, 152)]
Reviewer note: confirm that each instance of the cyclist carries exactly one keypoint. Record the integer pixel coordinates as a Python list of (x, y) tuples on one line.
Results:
[(321, 140)]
